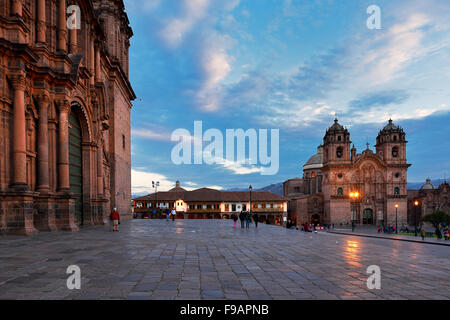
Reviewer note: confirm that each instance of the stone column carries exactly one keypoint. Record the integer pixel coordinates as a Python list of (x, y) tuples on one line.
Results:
[(97, 63), (41, 21), (19, 180), (43, 185), (92, 61), (16, 8), (73, 40), (62, 26), (63, 143), (100, 170)]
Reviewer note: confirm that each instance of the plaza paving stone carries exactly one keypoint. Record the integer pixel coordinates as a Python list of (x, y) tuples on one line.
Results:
[(209, 259)]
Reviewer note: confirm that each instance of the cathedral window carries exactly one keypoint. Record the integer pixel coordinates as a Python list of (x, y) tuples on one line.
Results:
[(339, 152), (339, 138), (397, 174), (340, 192), (396, 190), (339, 175), (395, 152)]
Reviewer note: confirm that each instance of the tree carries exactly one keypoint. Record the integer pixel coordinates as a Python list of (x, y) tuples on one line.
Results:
[(436, 218)]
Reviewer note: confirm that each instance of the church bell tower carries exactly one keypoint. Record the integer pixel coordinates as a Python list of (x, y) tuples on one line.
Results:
[(336, 144)]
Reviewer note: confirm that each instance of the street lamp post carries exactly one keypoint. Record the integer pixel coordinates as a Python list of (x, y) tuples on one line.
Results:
[(396, 227), (155, 185), (354, 197), (416, 205), (250, 188)]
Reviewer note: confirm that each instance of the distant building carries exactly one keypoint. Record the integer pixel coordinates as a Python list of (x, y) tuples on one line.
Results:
[(379, 178), (429, 199), (206, 203)]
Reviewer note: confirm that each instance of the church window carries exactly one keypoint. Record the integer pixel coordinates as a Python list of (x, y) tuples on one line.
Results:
[(339, 175), (313, 175), (340, 192), (395, 152), (397, 174), (339, 138), (396, 190), (395, 138), (123, 141), (339, 152)]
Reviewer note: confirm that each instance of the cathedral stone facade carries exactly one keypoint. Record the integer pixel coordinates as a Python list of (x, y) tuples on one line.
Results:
[(65, 102), (377, 178)]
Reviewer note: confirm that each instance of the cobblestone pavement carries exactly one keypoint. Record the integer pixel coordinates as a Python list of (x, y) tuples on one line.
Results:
[(394, 236), (209, 259)]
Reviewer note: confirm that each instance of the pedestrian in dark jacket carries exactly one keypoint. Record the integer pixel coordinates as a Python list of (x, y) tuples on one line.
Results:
[(255, 218), (247, 220), (242, 218)]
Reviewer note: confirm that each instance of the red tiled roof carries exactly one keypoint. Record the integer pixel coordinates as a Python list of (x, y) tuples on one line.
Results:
[(207, 194)]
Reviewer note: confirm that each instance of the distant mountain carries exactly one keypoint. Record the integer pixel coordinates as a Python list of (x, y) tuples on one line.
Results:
[(276, 188)]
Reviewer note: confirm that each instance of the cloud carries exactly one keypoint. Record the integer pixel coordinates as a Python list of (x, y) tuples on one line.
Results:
[(151, 134), (141, 183), (319, 76), (215, 65), (386, 56), (175, 30), (381, 98)]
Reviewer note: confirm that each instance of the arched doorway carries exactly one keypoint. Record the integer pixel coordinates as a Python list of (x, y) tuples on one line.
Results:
[(367, 216), (315, 219), (76, 165)]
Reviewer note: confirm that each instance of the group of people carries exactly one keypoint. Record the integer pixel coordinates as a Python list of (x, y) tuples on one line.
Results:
[(246, 218), (311, 227), (442, 230), (170, 215), (390, 229)]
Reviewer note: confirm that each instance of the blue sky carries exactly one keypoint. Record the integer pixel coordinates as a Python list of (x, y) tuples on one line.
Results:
[(290, 65)]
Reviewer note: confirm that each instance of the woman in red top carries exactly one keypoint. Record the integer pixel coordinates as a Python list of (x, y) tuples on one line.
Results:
[(115, 217)]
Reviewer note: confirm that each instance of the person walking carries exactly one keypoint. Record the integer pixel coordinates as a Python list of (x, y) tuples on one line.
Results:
[(446, 233), (167, 214), (247, 220), (115, 217), (255, 218), (422, 233), (235, 220), (242, 217), (174, 212)]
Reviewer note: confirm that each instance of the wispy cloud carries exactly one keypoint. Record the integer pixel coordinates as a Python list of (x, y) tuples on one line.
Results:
[(175, 30), (150, 134), (381, 98)]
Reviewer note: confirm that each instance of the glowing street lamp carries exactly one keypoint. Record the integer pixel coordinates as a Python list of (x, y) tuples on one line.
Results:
[(396, 208), (354, 195), (416, 205)]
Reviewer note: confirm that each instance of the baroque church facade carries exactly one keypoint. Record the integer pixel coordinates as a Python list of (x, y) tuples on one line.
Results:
[(340, 186), (65, 102)]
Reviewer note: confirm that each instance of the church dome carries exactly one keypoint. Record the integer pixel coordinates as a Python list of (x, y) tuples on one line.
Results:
[(428, 185), (316, 161), (336, 126), (391, 127)]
